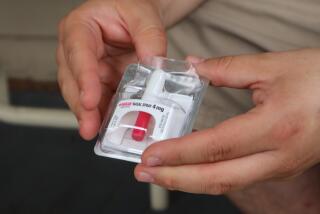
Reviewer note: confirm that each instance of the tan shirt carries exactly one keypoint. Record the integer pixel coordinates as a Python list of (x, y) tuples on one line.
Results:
[(229, 27)]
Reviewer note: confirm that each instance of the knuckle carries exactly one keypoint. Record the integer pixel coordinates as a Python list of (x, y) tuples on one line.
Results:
[(73, 57), (287, 128), (81, 78), (214, 152), (259, 96), (71, 52), (180, 158), (222, 65), (153, 31), (288, 167), (170, 183), (180, 155), (217, 188)]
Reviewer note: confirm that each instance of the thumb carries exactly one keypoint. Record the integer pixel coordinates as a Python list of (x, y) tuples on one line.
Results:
[(234, 71), (145, 27)]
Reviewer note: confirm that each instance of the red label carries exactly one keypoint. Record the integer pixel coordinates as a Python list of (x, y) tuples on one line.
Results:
[(125, 104)]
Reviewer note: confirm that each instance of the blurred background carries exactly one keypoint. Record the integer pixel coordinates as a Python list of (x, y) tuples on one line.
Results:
[(45, 166)]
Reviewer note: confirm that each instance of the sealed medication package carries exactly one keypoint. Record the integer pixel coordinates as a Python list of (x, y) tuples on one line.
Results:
[(156, 100)]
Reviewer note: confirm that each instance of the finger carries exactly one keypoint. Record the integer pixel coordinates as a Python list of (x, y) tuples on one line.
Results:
[(69, 89), (235, 71), (216, 178), (67, 84), (145, 27), (236, 137), (82, 51), (88, 121)]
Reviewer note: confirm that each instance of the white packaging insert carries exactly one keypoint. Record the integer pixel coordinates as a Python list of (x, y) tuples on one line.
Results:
[(156, 100)]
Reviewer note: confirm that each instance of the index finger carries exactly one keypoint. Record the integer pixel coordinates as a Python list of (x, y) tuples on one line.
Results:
[(81, 44)]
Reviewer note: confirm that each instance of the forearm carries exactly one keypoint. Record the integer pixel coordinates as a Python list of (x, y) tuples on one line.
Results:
[(173, 11)]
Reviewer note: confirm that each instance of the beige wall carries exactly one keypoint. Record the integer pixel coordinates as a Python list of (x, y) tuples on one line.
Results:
[(28, 36)]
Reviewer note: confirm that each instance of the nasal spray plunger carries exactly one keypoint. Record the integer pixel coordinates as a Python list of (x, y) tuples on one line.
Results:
[(154, 88)]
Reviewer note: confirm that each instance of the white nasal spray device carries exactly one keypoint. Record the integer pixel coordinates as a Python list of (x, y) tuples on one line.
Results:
[(152, 104)]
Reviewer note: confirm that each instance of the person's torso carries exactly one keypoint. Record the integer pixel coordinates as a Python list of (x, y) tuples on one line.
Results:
[(221, 27)]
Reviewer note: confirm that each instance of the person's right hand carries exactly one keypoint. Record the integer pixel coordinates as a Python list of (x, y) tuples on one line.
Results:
[(96, 41)]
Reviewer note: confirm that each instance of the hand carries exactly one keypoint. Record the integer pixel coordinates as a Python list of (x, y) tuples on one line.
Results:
[(96, 42), (277, 139)]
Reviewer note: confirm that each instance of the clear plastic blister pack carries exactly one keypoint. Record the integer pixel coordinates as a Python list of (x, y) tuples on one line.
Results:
[(156, 100)]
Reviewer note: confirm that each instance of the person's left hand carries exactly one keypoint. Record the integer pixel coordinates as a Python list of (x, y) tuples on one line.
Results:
[(277, 139)]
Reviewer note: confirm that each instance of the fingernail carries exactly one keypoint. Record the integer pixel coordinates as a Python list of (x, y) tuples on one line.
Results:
[(145, 177), (195, 59), (153, 161)]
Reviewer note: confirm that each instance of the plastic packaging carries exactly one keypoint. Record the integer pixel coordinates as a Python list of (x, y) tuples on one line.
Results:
[(156, 100)]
